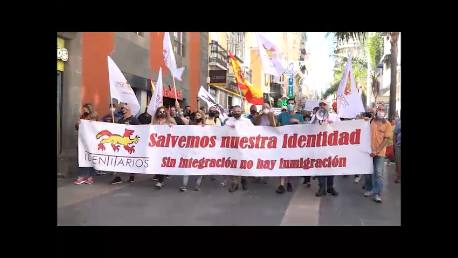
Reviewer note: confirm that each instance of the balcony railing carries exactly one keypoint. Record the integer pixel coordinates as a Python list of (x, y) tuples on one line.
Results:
[(218, 55)]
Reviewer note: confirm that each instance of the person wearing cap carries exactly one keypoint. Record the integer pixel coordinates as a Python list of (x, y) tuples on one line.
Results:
[(381, 136)]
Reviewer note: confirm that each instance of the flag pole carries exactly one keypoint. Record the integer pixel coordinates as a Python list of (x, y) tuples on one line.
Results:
[(152, 92), (241, 96), (112, 112), (270, 102), (175, 89)]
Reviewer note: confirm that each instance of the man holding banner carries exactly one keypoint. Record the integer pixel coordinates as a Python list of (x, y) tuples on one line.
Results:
[(234, 122), (288, 118), (325, 183)]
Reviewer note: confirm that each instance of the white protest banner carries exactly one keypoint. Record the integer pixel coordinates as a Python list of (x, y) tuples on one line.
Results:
[(208, 98), (294, 150)]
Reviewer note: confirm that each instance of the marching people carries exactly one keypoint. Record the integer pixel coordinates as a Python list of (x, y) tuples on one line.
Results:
[(161, 117), (381, 135), (307, 115), (310, 120), (397, 150), (213, 120), (127, 119), (108, 118), (187, 111), (265, 118), (200, 121), (253, 113), (234, 122), (368, 116), (86, 174), (177, 115), (325, 183), (288, 118), (231, 110), (114, 112), (144, 118)]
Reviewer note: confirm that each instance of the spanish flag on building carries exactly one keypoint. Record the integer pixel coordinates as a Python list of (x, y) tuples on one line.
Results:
[(252, 94)]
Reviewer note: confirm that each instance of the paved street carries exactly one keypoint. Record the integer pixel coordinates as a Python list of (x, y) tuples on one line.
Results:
[(140, 204)]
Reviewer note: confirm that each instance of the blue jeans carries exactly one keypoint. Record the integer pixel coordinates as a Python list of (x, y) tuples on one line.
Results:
[(374, 182)]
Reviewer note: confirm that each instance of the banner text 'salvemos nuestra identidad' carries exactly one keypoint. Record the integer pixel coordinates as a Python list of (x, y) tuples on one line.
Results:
[(341, 148)]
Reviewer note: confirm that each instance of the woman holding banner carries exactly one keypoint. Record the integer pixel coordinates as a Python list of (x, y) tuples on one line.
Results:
[(199, 120), (86, 174), (162, 117)]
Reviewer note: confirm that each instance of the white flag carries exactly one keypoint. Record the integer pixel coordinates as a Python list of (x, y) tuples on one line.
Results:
[(208, 98), (349, 102), (169, 58), (270, 56), (156, 98), (120, 88)]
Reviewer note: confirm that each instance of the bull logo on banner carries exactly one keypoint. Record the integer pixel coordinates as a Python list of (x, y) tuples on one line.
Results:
[(117, 140)]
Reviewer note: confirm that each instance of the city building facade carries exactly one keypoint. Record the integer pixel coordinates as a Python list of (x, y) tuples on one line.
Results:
[(82, 76)]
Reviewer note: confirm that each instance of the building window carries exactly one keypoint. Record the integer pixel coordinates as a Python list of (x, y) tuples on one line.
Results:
[(141, 34), (179, 43), (236, 44), (213, 93), (229, 102)]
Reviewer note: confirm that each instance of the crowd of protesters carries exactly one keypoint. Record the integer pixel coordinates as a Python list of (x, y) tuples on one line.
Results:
[(385, 140)]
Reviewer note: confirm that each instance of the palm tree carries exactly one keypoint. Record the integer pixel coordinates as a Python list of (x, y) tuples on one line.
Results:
[(359, 66), (394, 65), (394, 61)]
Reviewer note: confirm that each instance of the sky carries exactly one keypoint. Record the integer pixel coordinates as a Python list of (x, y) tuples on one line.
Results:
[(319, 47), (321, 65)]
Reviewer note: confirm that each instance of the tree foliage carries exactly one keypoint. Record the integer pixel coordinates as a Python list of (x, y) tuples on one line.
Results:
[(374, 46)]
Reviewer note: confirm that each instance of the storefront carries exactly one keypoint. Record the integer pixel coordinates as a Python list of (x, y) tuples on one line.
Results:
[(169, 96)]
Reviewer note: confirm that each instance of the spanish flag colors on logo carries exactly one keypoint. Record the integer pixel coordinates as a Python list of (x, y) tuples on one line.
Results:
[(252, 94)]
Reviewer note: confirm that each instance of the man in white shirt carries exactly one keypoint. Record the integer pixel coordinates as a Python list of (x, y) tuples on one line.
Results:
[(235, 122)]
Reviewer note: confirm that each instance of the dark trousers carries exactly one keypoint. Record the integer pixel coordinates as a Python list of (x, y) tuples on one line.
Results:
[(86, 171), (306, 179), (238, 179), (117, 175), (160, 178), (329, 182)]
